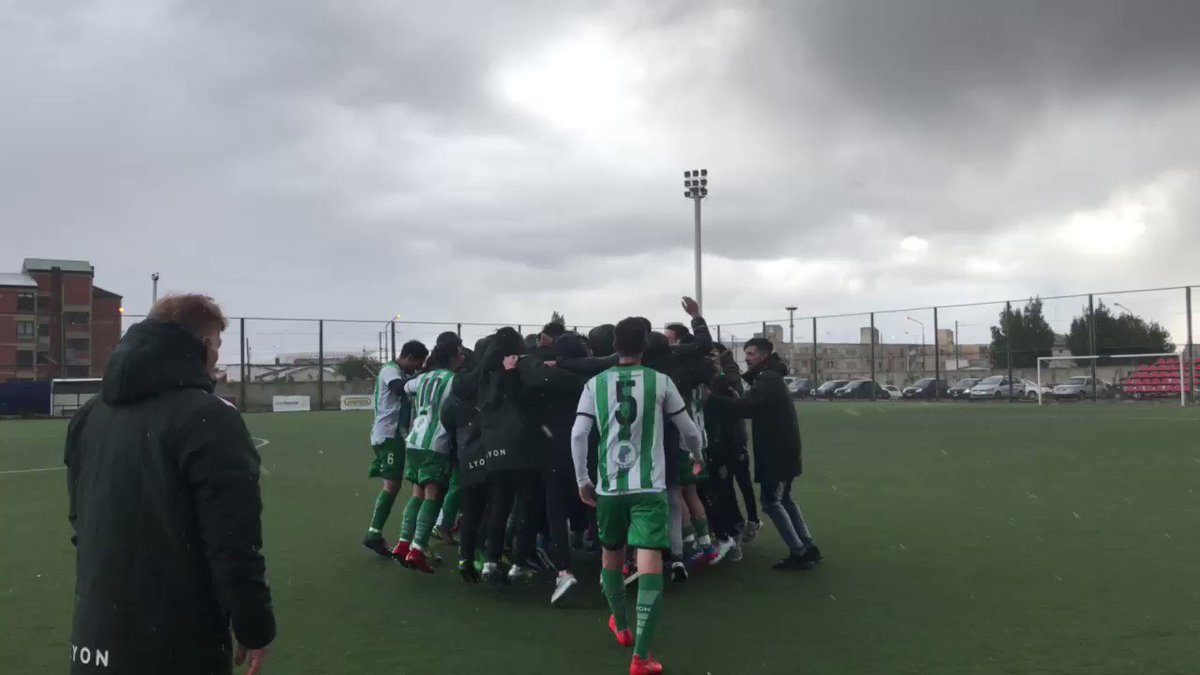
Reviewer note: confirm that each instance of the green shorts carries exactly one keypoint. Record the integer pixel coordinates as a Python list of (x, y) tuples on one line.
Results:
[(640, 520), (684, 466), (389, 460), (425, 466)]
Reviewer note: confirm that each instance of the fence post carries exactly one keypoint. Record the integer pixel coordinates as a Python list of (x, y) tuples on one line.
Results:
[(459, 331), (1191, 359), (814, 355), (764, 333), (521, 330), (873, 383), (1092, 340), (320, 364), (245, 370), (937, 359), (718, 332)]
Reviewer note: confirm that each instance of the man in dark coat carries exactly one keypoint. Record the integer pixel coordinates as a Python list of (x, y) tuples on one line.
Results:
[(162, 478), (776, 435)]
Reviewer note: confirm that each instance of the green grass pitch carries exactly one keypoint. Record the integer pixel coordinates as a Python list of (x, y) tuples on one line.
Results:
[(958, 539)]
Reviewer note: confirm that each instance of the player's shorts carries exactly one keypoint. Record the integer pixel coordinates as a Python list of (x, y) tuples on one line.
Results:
[(640, 520), (424, 467), (684, 465), (389, 460)]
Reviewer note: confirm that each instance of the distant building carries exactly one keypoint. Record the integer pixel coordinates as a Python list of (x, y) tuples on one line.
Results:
[(54, 322)]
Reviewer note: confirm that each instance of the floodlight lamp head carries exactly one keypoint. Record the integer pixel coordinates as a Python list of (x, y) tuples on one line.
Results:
[(687, 174)]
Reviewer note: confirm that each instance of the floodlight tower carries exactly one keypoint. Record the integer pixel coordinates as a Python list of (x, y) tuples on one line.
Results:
[(695, 188)]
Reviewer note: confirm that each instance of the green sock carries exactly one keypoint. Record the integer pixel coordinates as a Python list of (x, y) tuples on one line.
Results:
[(614, 589), (383, 508), (426, 517), (649, 611), (453, 502), (408, 524), (701, 525)]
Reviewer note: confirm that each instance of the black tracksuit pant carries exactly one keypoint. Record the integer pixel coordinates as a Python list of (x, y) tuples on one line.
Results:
[(519, 487), (474, 504)]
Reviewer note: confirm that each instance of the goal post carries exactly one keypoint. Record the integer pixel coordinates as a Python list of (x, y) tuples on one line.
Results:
[(1174, 368)]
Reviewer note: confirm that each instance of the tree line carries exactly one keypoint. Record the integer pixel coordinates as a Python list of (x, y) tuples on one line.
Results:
[(1026, 335)]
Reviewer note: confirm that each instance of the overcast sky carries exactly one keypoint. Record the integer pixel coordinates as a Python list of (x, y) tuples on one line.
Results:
[(470, 161)]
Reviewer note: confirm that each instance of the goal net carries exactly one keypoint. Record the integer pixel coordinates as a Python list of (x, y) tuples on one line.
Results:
[(1148, 376)]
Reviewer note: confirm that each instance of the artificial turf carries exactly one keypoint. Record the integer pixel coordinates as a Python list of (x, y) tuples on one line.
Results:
[(959, 539)]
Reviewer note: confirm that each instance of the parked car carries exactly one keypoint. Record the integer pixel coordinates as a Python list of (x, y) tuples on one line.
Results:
[(1031, 390), (800, 387), (1080, 387), (926, 388), (861, 389), (826, 390), (962, 388), (997, 387), (893, 391)]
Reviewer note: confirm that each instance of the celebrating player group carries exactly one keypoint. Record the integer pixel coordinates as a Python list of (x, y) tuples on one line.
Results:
[(628, 440)]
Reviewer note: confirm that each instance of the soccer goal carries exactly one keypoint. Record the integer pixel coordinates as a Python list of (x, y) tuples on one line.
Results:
[(1162, 378)]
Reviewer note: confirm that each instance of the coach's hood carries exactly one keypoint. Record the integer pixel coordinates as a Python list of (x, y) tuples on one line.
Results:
[(153, 357)]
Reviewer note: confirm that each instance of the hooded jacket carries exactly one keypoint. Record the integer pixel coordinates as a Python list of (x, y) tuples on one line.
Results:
[(776, 431), (162, 479)]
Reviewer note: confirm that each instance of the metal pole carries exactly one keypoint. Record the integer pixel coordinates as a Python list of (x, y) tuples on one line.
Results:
[(1008, 347), (937, 359), (245, 370), (393, 339), (792, 339), (320, 364), (957, 359), (814, 354), (718, 332), (459, 330), (1092, 340), (873, 385), (154, 288), (1191, 359), (699, 287)]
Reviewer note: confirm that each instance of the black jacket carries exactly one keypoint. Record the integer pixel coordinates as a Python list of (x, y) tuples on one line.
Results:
[(461, 419), (506, 415), (553, 398), (776, 431), (727, 438), (162, 477)]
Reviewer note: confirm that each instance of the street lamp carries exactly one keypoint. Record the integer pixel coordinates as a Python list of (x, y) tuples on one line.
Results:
[(154, 288), (922, 325), (1127, 310), (695, 188), (792, 337)]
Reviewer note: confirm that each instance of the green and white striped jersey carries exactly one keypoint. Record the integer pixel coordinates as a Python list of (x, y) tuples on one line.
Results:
[(696, 410), (387, 404), (631, 405), (430, 390)]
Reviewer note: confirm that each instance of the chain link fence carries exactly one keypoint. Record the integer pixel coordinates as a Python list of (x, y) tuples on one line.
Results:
[(934, 347)]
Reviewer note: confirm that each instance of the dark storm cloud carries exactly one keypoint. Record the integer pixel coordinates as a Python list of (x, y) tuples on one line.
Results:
[(360, 159)]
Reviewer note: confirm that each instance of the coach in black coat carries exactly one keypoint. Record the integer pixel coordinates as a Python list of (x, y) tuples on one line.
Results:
[(776, 434), (162, 477)]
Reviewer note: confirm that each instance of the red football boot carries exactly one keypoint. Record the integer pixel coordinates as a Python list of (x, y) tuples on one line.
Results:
[(400, 553), (416, 560), (646, 666), (624, 637)]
